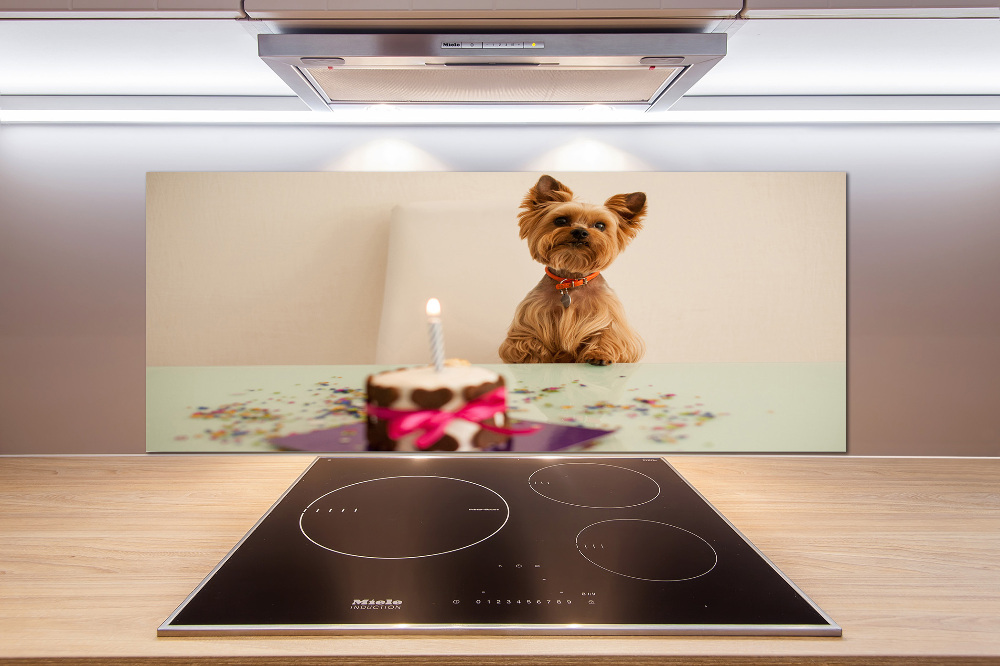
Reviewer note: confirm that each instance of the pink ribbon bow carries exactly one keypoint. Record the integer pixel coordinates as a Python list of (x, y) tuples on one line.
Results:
[(432, 422)]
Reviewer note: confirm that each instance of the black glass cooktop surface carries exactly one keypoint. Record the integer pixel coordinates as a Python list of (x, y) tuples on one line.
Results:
[(484, 544)]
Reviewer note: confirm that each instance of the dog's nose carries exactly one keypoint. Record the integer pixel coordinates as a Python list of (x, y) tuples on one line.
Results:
[(580, 234)]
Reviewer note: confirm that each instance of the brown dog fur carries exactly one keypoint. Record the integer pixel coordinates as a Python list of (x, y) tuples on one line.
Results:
[(593, 329)]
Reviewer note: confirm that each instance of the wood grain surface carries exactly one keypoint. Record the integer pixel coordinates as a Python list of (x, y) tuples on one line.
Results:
[(904, 553)]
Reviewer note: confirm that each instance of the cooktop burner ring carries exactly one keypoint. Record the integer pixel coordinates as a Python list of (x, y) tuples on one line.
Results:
[(681, 554), (634, 488), (471, 512)]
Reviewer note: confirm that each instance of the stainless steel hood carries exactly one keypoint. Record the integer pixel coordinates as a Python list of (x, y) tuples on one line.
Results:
[(646, 71)]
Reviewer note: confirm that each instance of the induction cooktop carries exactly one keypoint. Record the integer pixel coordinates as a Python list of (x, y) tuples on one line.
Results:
[(495, 545)]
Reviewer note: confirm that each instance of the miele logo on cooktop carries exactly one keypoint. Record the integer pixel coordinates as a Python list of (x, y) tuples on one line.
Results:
[(376, 604)]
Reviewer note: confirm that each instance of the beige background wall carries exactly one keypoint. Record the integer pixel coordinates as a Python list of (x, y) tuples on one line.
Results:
[(290, 268)]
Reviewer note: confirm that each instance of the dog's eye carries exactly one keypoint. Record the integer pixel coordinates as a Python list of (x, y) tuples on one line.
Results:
[(600, 226), (561, 221)]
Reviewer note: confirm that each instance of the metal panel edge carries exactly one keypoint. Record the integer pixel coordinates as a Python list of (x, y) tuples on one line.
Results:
[(183, 631)]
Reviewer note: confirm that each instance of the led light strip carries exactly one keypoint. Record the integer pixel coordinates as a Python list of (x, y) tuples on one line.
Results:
[(679, 117), (689, 110)]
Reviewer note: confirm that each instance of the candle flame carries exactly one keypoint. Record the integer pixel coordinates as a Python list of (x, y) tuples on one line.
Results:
[(433, 308)]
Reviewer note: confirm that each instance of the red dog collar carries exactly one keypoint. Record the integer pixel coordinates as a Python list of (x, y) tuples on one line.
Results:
[(569, 283)]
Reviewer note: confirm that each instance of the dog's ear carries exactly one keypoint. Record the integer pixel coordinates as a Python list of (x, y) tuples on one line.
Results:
[(631, 208), (547, 190)]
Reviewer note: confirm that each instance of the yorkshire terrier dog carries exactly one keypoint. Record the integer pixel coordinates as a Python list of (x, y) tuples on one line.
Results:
[(572, 315)]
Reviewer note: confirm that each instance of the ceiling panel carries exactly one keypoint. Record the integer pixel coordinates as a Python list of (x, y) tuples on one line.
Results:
[(859, 57), (132, 57)]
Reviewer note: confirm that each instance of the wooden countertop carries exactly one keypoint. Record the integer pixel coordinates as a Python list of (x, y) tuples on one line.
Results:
[(903, 553)]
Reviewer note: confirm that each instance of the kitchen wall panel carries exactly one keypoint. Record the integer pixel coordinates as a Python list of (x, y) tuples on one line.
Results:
[(924, 322)]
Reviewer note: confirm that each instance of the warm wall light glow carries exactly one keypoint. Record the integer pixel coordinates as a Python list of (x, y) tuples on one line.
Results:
[(387, 155), (587, 155)]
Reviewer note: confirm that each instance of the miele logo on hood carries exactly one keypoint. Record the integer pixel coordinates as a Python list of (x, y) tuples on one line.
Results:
[(376, 604)]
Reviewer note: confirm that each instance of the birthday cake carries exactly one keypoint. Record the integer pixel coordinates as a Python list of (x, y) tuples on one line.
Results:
[(459, 408)]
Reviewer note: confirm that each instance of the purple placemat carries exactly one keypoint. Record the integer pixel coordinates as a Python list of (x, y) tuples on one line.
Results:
[(352, 438)]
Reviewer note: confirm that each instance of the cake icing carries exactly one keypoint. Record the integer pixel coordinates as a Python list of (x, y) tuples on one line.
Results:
[(464, 389)]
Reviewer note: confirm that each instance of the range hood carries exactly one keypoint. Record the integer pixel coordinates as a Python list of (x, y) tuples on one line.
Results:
[(645, 71)]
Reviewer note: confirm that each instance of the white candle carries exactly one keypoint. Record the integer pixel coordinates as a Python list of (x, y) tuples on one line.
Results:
[(434, 328)]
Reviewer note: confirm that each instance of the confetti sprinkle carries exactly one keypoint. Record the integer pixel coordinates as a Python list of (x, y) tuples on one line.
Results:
[(656, 415), (328, 404), (236, 410)]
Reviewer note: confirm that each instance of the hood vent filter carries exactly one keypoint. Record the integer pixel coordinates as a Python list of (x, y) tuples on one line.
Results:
[(497, 84)]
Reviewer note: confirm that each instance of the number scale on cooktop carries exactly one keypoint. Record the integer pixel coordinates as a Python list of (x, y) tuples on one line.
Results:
[(495, 544)]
